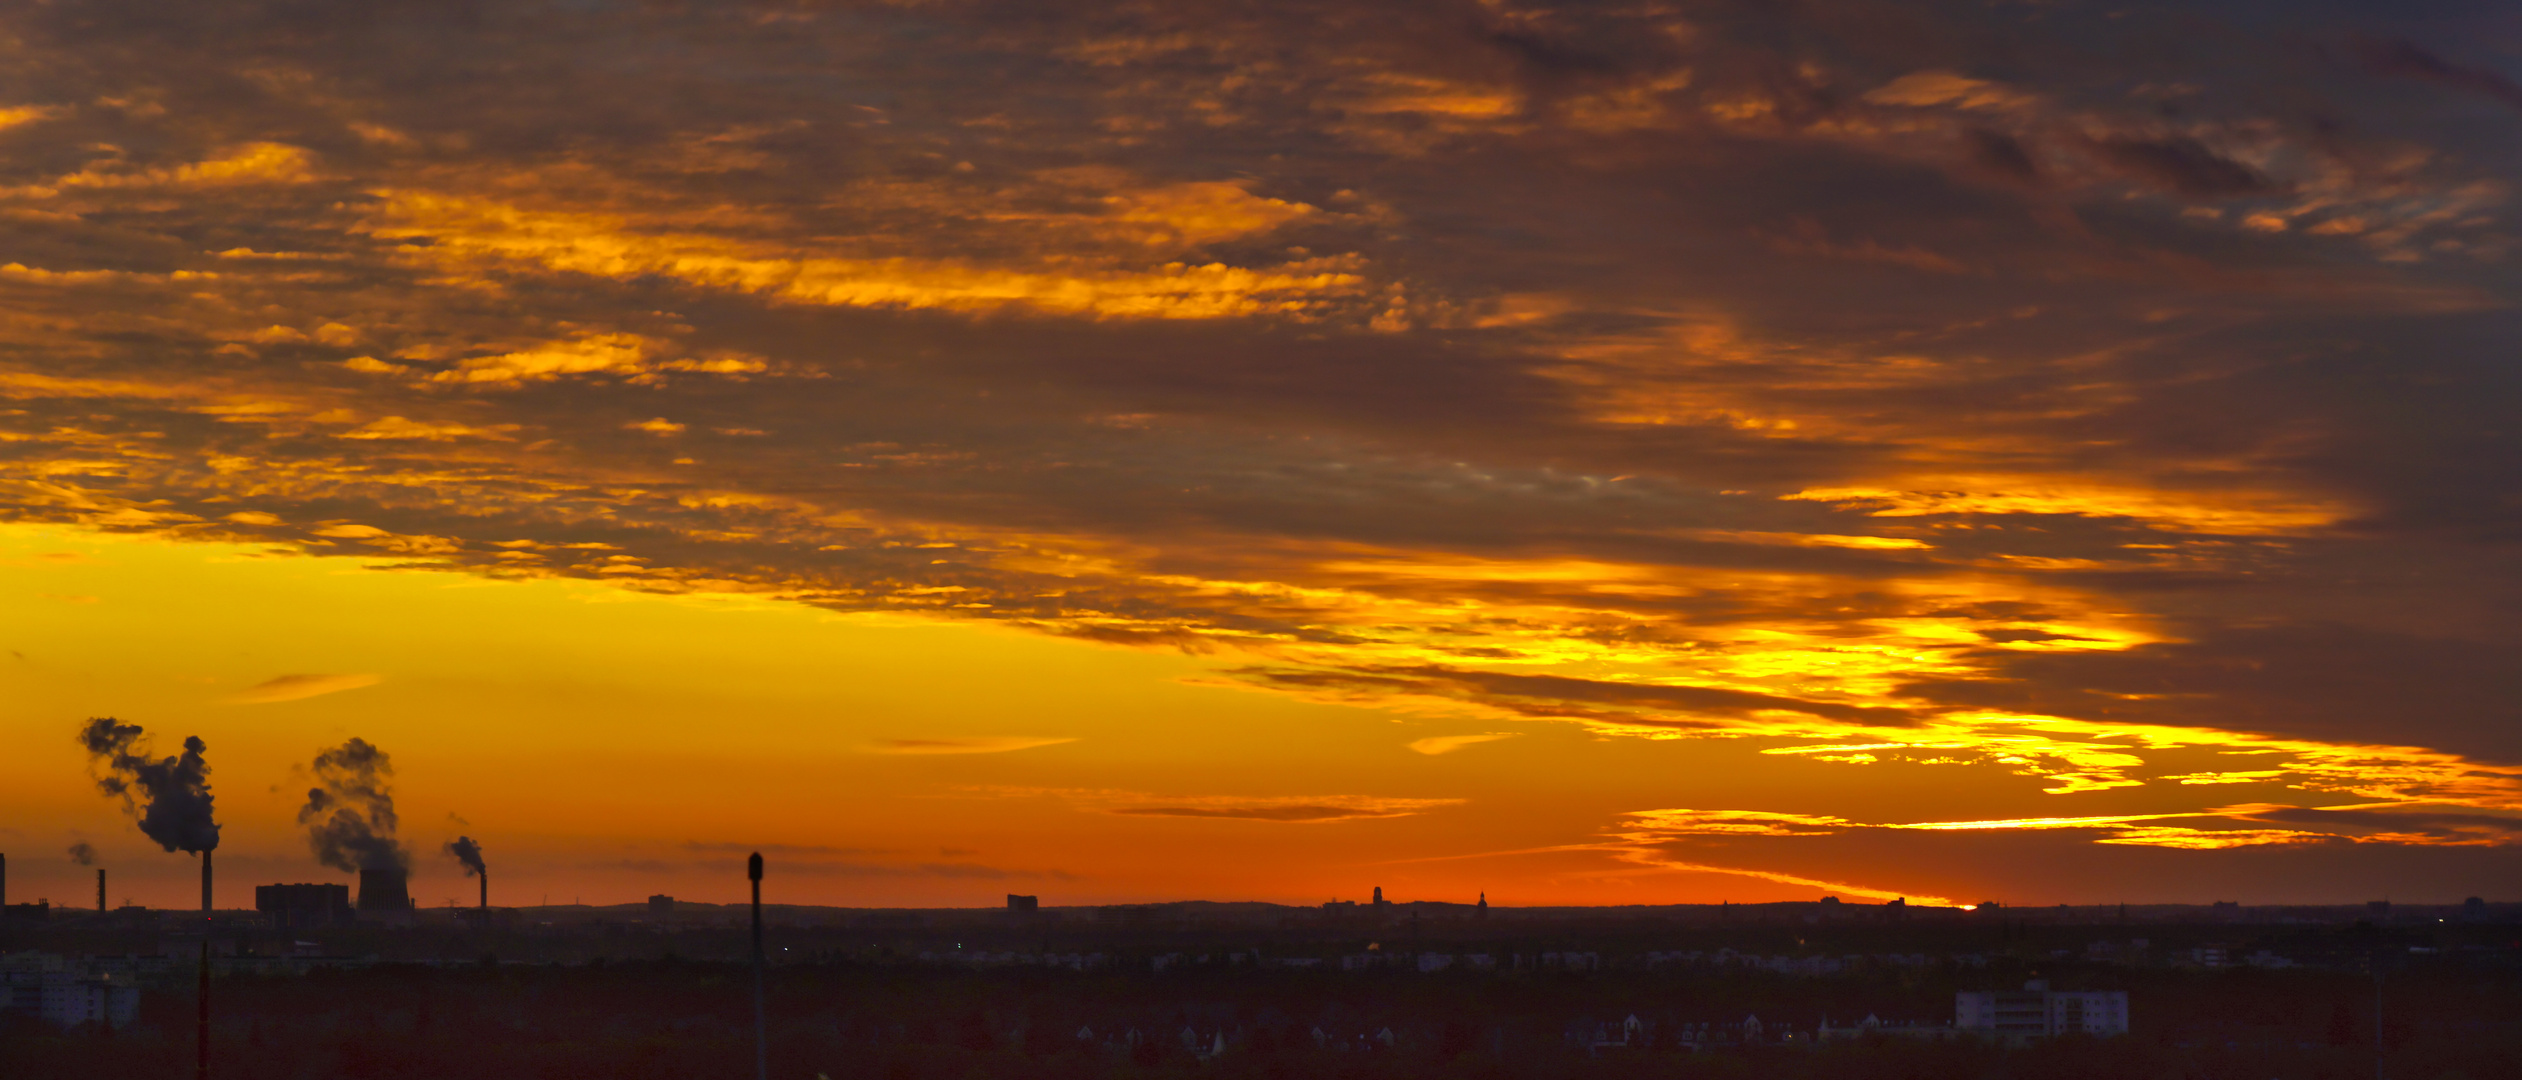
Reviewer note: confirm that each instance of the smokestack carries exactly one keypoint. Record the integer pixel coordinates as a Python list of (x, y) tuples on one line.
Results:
[(470, 854), (761, 1024), (201, 1023), (171, 798), (100, 890), (4, 881)]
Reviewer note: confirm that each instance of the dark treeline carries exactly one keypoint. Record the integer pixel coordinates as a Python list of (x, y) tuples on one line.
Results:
[(861, 1021), (1131, 935)]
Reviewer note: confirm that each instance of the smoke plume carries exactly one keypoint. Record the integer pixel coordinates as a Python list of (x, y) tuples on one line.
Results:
[(83, 854), (349, 815), (468, 853), (169, 796)]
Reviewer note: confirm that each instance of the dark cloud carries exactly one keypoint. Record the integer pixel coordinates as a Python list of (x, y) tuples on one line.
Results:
[(2041, 867), (2437, 828), (2393, 56), (2003, 155), (2181, 164), (2333, 682)]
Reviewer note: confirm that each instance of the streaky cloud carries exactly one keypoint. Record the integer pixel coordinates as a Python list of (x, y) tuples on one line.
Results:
[(965, 744), (300, 687)]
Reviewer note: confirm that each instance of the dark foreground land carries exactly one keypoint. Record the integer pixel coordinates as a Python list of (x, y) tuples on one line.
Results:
[(678, 1019), (888, 999)]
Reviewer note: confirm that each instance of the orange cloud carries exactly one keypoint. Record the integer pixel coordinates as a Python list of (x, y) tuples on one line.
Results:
[(965, 744), (300, 687)]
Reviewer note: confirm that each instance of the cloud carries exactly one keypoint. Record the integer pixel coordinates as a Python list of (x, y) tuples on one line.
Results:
[(618, 353), (2392, 56), (1446, 744), (300, 687), (253, 163), (1282, 808), (965, 744), (1736, 823), (2219, 828), (459, 232), (2181, 164), (1296, 811), (1926, 88), (399, 428)]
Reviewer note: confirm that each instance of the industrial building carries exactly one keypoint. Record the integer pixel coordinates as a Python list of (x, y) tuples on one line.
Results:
[(303, 907)]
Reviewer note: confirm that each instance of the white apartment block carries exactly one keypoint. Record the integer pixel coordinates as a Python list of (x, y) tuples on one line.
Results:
[(2036, 1011)]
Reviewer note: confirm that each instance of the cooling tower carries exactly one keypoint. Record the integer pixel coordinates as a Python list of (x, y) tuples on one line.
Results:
[(384, 891)]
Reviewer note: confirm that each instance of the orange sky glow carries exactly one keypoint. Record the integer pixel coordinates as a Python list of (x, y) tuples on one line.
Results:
[(1666, 453)]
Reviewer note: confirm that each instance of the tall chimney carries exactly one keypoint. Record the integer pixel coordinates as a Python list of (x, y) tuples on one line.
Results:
[(201, 1049), (100, 890), (761, 1026), (485, 895), (4, 880)]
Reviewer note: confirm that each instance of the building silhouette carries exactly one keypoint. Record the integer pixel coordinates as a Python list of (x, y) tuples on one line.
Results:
[(298, 907), (384, 892)]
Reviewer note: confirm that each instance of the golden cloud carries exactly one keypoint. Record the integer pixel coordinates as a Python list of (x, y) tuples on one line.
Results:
[(300, 687), (1928, 88), (1299, 809), (1446, 744), (401, 428), (964, 744), (612, 246)]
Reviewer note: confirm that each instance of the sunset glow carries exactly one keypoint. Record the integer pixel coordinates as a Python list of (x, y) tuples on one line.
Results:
[(1628, 454)]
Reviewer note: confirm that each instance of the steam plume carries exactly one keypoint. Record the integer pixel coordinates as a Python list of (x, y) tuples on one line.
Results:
[(468, 853), (82, 854), (349, 815), (170, 796)]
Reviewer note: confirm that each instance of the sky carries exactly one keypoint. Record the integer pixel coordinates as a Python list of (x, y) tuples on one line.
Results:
[(1634, 452)]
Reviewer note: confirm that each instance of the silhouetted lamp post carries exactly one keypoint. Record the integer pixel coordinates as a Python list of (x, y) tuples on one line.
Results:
[(761, 1027)]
